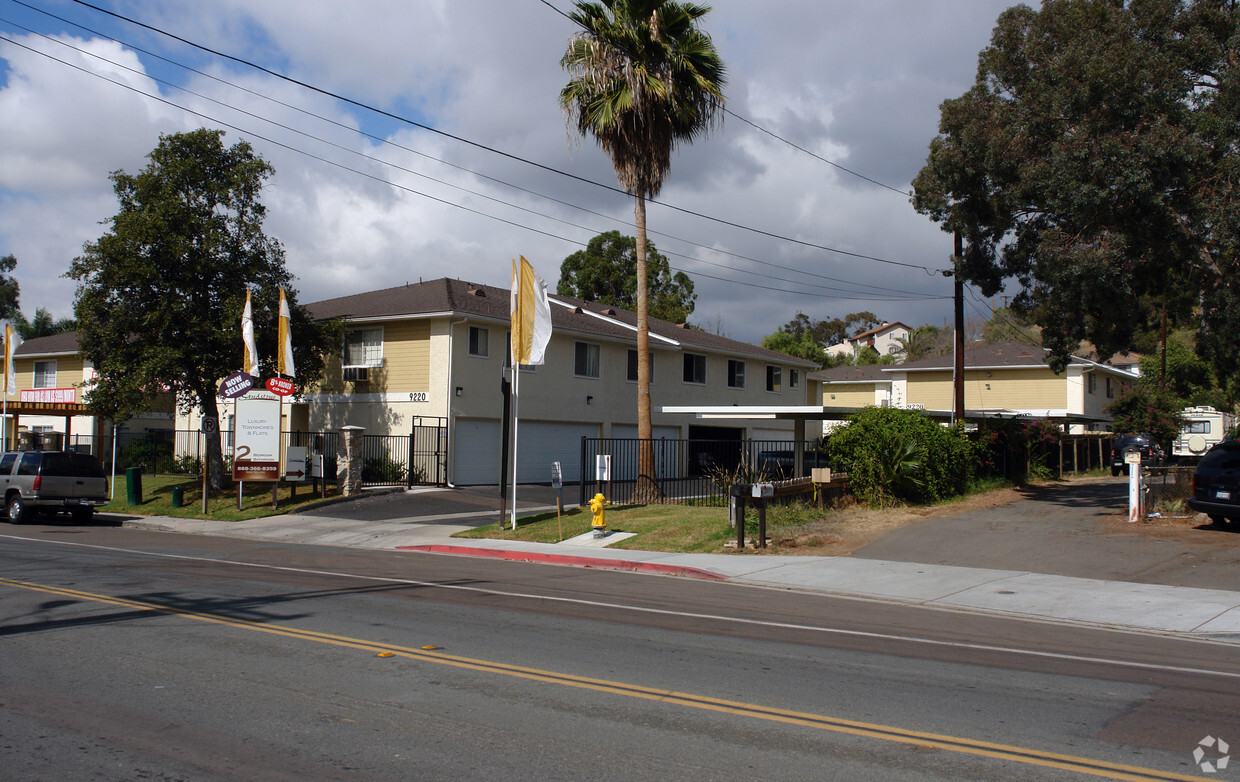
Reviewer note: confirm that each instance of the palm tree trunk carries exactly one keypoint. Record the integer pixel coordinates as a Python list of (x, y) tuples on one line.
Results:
[(647, 489)]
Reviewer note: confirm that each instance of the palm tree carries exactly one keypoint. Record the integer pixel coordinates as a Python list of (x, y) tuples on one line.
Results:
[(642, 78)]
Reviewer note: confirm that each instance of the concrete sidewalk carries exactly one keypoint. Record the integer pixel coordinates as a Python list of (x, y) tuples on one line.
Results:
[(1172, 610)]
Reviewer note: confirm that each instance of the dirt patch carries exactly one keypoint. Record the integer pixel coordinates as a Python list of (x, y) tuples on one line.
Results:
[(841, 532)]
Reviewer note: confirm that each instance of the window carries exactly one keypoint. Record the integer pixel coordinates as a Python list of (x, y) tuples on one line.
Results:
[(1110, 389), (774, 379), (45, 374), (1093, 383), (363, 348), (695, 369), (632, 370), (736, 373), (794, 378), (585, 359), (1197, 427), (479, 341)]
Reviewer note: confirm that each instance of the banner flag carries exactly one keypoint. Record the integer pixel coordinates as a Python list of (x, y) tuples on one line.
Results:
[(284, 361), (12, 341), (249, 357), (531, 315)]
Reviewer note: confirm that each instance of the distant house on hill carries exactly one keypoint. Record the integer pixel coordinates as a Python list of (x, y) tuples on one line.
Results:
[(885, 339)]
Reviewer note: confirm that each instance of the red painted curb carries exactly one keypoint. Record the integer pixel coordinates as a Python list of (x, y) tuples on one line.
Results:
[(568, 559)]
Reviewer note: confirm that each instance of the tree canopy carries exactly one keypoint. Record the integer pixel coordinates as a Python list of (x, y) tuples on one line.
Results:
[(160, 295), (10, 291), (1096, 160), (42, 324), (807, 338), (606, 271)]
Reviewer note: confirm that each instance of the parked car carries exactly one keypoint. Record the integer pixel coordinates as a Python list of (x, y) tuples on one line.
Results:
[(1151, 452), (52, 481), (1216, 483)]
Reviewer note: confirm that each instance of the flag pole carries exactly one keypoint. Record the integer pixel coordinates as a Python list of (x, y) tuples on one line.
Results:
[(516, 396)]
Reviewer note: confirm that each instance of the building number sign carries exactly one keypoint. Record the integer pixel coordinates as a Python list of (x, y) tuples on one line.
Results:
[(418, 396)]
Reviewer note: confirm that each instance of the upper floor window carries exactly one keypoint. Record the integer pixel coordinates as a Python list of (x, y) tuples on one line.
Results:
[(736, 373), (1093, 382), (1110, 389), (794, 378), (774, 378), (695, 368), (585, 359), (363, 348), (632, 368), (45, 374), (479, 341)]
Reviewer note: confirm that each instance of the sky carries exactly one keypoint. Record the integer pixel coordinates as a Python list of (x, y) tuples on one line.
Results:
[(425, 140)]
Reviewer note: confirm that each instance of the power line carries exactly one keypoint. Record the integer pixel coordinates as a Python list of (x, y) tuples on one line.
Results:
[(774, 135), (319, 158), (460, 139)]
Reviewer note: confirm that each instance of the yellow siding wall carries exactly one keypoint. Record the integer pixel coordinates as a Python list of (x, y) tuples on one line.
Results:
[(851, 395), (1017, 389), (406, 363)]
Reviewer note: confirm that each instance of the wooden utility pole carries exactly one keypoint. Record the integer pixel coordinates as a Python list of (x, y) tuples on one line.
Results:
[(958, 370)]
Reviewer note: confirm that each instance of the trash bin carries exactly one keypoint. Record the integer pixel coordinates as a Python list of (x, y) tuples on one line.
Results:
[(133, 478), (178, 495)]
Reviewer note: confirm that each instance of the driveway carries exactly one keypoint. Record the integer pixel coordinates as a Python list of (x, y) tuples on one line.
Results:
[(1078, 529), (454, 506)]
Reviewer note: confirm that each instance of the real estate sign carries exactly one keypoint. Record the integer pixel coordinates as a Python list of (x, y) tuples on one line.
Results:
[(257, 437)]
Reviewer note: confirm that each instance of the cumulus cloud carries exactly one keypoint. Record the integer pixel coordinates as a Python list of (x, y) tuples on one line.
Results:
[(362, 201)]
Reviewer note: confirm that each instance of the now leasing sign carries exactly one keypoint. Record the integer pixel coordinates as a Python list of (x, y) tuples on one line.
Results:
[(257, 433)]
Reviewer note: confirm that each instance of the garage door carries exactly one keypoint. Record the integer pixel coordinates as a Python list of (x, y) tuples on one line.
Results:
[(475, 457), (544, 442), (478, 450)]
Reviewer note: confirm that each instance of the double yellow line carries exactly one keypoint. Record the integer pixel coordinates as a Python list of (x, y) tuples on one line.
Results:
[(967, 746)]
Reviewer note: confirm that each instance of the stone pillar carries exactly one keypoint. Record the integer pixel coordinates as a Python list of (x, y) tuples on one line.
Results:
[(349, 470)]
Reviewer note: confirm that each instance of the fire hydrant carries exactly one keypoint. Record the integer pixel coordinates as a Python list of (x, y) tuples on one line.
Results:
[(599, 522)]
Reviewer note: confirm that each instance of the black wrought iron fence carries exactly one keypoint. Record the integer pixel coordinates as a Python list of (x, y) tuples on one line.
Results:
[(691, 470)]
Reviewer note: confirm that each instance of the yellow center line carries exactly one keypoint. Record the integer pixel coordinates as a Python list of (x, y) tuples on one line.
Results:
[(968, 746)]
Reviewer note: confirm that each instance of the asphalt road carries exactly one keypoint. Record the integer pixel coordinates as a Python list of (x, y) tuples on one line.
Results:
[(136, 655)]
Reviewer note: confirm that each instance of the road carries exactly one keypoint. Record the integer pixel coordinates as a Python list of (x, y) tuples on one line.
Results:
[(138, 655)]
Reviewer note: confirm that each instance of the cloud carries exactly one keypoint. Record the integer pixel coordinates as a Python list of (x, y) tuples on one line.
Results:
[(858, 84)]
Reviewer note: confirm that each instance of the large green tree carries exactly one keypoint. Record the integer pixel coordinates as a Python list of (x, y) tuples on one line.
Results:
[(606, 271), (42, 324), (1096, 160), (807, 338), (160, 295), (10, 291), (642, 79)]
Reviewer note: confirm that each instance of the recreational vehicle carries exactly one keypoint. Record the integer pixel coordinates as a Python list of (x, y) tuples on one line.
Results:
[(1203, 428)]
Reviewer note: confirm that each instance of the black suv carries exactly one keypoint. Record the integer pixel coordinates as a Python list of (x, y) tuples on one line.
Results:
[(1216, 483), (1151, 453)]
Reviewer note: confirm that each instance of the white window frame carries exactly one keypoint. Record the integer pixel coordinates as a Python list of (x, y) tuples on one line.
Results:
[(774, 379), (478, 346), (371, 348), (594, 351), (736, 373), (630, 366), (694, 357), (46, 383)]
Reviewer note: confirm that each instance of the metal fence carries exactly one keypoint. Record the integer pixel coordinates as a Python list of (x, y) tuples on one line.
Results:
[(387, 460), (1167, 490), (692, 470)]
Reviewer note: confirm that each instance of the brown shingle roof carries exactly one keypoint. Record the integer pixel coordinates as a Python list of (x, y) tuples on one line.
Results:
[(853, 374), (485, 301)]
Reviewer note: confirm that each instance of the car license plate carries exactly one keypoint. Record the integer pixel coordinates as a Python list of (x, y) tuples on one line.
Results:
[(1220, 494)]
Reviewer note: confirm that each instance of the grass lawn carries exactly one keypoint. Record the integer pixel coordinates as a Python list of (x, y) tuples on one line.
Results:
[(222, 506)]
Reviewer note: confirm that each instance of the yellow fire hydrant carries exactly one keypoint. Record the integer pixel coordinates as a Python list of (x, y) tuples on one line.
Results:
[(599, 522)]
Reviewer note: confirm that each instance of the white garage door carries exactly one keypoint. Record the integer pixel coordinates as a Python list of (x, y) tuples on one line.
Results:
[(544, 442), (478, 447), (476, 452)]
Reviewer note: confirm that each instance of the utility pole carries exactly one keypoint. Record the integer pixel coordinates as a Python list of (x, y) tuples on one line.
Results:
[(958, 370)]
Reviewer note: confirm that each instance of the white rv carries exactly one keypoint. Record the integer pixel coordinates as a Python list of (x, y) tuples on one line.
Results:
[(1204, 427)]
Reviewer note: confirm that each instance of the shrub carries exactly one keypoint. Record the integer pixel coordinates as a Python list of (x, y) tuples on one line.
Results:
[(900, 455), (382, 469)]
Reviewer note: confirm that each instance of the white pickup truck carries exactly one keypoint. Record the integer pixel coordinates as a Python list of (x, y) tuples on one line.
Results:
[(52, 481)]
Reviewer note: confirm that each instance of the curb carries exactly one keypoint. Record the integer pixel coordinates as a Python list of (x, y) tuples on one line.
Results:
[(570, 560)]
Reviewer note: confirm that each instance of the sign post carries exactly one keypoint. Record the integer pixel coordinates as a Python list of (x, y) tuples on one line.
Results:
[(1133, 460)]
